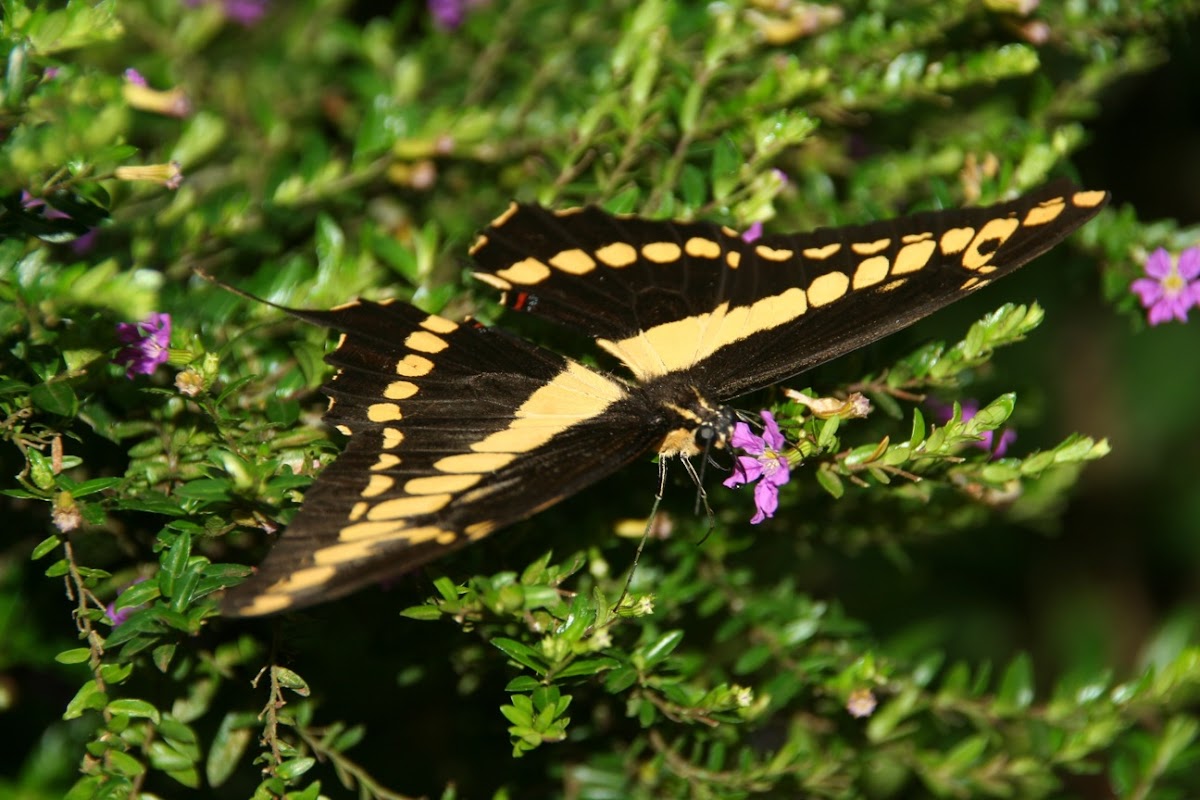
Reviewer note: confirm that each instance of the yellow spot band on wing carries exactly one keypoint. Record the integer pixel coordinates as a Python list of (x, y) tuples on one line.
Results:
[(399, 390), (821, 253), (392, 437), (389, 531), (826, 288), (378, 485), (479, 530), (771, 254), (474, 462), (574, 262), (1088, 199), (678, 344), (437, 484), (955, 240), (870, 272), (505, 215), (617, 254), (413, 366), (439, 324), (662, 252), (425, 342), (385, 461), (697, 247), (383, 412), (526, 271), (994, 233), (1045, 212), (913, 257), (870, 248), (403, 507), (575, 395)]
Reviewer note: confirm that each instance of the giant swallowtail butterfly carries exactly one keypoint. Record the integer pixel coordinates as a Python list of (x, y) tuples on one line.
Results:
[(457, 429)]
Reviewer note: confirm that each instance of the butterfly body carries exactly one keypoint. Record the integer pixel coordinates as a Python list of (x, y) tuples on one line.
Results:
[(458, 429)]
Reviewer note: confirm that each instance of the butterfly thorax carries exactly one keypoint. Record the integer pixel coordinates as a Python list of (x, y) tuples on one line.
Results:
[(694, 423)]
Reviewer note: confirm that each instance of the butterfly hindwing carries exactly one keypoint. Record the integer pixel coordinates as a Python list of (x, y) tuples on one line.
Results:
[(667, 298), (455, 430)]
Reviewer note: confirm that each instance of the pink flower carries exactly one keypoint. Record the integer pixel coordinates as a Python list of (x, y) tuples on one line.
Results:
[(146, 344), (987, 439), (763, 464), (1172, 288)]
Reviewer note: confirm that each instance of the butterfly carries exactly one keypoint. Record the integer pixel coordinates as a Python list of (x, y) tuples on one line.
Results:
[(457, 429)]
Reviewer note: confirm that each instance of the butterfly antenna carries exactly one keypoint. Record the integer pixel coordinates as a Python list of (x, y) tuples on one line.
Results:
[(662, 487)]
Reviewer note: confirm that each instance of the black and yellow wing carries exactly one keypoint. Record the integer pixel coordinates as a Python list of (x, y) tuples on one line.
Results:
[(672, 298), (458, 429), (455, 430)]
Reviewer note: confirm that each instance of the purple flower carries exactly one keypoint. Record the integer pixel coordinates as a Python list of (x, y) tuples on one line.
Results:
[(31, 203), (987, 439), (449, 14), (1171, 288), (753, 233), (135, 77), (245, 12), (117, 616), (145, 343), (763, 462)]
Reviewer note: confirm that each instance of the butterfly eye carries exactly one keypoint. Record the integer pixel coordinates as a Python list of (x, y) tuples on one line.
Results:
[(707, 436)]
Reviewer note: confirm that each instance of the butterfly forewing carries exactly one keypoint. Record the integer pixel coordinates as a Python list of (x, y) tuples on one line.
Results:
[(667, 298)]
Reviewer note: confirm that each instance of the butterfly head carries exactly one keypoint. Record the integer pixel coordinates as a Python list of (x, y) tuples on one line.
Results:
[(697, 426)]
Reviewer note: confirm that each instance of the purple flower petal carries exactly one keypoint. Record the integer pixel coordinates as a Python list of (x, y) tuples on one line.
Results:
[(766, 500), (245, 12), (146, 344), (771, 435), (753, 233), (744, 439), (1189, 264), (747, 470), (763, 463), (1158, 265), (1148, 290)]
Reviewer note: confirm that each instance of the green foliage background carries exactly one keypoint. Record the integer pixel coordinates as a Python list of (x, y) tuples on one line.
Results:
[(1026, 626)]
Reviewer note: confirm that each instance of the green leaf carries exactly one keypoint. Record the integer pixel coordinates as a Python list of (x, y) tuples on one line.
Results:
[(290, 680), (522, 654), (830, 482), (167, 758), (662, 648), (124, 763), (422, 612), (174, 562), (522, 683), (587, 666), (292, 769), (89, 696), (76, 656), (45, 547), (620, 679), (56, 398), (1016, 686), (134, 708)]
